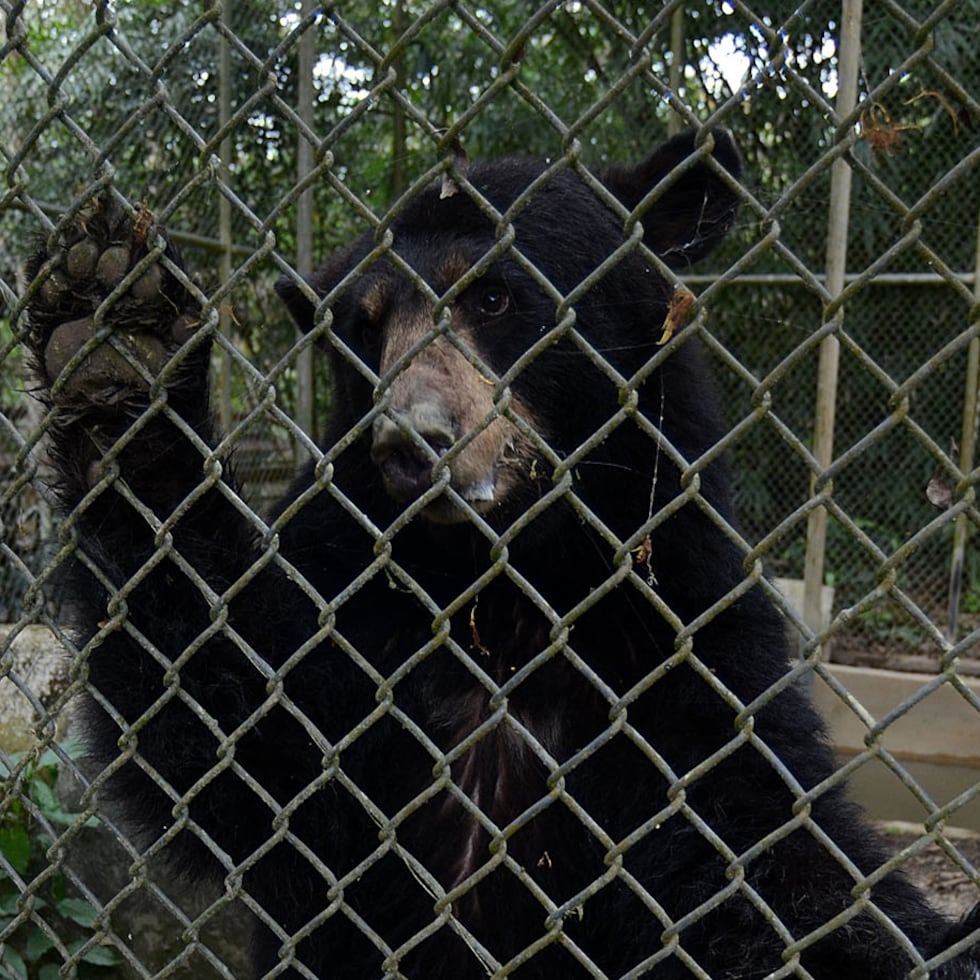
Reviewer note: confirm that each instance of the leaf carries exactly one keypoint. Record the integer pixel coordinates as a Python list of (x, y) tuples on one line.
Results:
[(97, 955), (50, 971), (58, 887), (78, 910), (7, 767), (50, 759), (12, 967), (59, 816), (38, 943), (43, 796), (101, 956), (8, 905), (15, 845)]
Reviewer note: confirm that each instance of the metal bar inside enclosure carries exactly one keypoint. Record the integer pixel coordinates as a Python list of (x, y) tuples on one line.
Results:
[(825, 408)]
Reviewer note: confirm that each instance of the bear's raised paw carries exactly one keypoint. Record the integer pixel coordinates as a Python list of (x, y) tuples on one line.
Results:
[(106, 315)]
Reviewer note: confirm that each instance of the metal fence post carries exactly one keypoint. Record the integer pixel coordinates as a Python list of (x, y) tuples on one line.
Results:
[(224, 212), (836, 267), (305, 390), (968, 440), (675, 123)]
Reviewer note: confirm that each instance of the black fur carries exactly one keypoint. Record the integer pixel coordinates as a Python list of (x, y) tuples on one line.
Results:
[(426, 750)]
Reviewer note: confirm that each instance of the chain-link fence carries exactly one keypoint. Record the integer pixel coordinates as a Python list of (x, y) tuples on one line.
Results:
[(497, 686)]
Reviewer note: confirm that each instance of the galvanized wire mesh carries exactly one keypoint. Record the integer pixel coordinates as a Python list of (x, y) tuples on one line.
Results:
[(194, 116)]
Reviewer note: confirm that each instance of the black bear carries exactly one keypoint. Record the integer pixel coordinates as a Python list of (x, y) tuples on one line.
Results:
[(491, 691)]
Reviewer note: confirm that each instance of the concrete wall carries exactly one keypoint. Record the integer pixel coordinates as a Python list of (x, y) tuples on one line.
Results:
[(937, 740)]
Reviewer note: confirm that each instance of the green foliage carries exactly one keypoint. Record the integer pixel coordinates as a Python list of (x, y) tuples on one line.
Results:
[(888, 623), (970, 603), (32, 946)]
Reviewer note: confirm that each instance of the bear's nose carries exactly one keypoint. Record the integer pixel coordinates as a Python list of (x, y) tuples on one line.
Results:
[(398, 446)]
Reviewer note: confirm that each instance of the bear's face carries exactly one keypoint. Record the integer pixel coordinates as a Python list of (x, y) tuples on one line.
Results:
[(466, 342), (443, 421)]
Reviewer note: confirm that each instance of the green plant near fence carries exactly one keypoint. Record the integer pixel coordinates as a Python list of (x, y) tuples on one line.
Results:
[(43, 920)]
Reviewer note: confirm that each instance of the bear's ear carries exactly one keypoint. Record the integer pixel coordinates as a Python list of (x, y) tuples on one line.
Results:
[(300, 302), (695, 212), (297, 301)]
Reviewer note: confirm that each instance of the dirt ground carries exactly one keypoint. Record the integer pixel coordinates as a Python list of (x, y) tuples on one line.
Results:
[(951, 880)]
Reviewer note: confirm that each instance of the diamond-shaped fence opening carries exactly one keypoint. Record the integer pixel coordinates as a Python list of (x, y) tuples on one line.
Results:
[(500, 684)]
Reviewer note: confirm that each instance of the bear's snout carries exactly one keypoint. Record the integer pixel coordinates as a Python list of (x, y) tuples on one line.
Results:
[(406, 444), (409, 443)]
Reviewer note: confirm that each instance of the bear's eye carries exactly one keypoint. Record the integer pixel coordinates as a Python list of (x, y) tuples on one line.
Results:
[(494, 300)]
